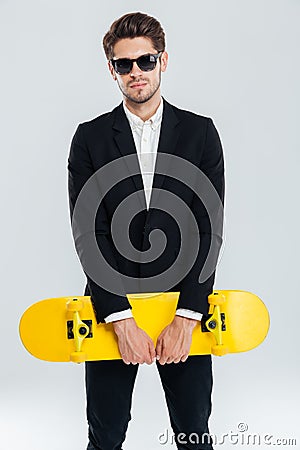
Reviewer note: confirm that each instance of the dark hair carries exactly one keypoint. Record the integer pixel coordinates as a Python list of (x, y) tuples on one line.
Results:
[(133, 25)]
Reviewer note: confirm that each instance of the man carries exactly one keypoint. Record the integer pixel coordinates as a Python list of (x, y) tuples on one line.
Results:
[(146, 125)]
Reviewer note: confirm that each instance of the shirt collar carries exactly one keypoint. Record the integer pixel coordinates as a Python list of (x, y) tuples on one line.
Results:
[(137, 122)]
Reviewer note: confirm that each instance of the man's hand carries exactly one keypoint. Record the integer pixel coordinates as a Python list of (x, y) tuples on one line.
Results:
[(135, 345), (174, 342)]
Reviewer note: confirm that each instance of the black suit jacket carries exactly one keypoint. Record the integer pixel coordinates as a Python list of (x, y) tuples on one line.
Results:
[(108, 137)]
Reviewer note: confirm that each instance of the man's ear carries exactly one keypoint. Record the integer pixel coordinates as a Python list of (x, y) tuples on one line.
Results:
[(164, 61), (112, 70)]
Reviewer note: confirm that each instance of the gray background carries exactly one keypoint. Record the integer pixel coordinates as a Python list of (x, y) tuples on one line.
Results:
[(235, 61)]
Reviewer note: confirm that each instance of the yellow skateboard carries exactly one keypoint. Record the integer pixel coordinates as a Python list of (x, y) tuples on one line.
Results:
[(65, 328)]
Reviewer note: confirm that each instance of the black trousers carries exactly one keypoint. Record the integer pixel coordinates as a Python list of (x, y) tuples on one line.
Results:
[(187, 387)]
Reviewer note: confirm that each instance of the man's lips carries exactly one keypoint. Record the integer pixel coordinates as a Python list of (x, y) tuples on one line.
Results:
[(138, 85)]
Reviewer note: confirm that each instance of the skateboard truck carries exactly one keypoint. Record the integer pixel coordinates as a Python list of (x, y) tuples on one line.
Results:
[(78, 330), (215, 323)]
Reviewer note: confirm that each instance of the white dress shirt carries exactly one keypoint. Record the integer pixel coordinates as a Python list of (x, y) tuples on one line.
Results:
[(146, 136)]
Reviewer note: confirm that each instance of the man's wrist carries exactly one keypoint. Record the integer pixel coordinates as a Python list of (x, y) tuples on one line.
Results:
[(186, 322), (121, 325)]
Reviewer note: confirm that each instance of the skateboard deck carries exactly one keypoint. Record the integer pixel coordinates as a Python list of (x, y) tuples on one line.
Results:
[(65, 329)]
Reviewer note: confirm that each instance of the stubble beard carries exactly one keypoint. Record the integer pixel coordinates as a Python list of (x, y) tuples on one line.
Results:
[(145, 97)]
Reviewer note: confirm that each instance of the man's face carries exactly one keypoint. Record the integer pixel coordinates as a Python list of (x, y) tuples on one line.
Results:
[(138, 86)]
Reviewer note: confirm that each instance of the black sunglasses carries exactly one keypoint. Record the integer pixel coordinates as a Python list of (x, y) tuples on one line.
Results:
[(146, 63)]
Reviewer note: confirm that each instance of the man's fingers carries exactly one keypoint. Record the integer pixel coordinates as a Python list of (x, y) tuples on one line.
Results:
[(161, 354), (126, 361), (152, 352), (178, 359), (159, 348), (181, 358), (163, 359), (184, 358), (170, 360)]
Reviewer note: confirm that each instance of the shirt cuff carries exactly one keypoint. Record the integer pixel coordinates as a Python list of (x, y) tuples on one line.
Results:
[(126, 314), (189, 314)]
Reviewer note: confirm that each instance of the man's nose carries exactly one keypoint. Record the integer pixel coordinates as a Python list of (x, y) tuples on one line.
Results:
[(135, 71)]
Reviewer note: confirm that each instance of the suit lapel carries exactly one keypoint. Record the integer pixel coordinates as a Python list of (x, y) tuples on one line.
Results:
[(125, 143), (169, 135)]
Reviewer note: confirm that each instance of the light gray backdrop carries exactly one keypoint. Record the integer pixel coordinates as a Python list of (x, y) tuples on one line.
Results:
[(235, 61)]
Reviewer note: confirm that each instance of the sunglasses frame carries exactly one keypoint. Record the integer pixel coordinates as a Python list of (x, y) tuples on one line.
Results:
[(155, 55)]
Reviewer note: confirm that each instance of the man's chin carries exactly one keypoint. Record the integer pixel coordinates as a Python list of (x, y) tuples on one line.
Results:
[(139, 99)]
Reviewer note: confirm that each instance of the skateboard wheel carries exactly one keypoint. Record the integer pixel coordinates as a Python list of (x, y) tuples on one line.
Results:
[(219, 350), (78, 357), (216, 299), (74, 305)]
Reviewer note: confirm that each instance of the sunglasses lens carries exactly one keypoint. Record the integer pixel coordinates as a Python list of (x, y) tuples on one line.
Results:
[(123, 66), (146, 62)]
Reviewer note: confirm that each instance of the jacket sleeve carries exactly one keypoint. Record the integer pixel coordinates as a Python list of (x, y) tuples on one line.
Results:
[(194, 295), (80, 169)]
